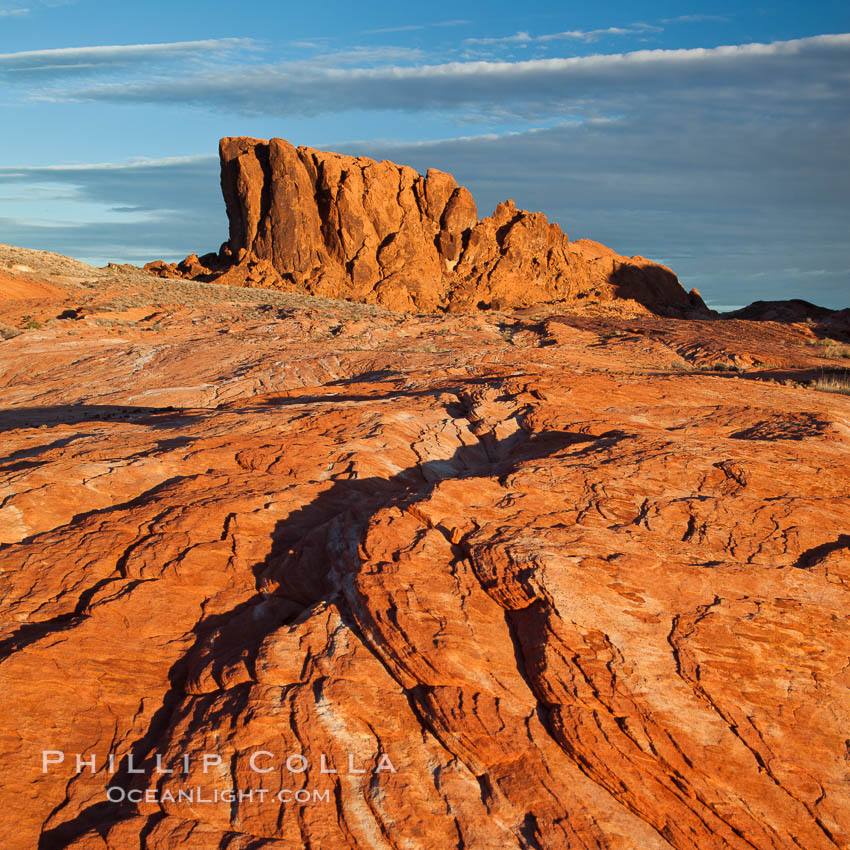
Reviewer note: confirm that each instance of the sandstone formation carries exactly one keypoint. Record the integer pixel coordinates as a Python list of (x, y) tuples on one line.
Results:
[(304, 220), (579, 582)]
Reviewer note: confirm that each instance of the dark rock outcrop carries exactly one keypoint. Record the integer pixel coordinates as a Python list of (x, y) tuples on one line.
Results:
[(350, 227)]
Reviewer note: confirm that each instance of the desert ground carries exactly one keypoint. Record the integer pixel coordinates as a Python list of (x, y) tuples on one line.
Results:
[(550, 578)]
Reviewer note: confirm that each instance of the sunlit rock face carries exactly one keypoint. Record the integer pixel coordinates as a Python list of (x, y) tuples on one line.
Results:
[(349, 227)]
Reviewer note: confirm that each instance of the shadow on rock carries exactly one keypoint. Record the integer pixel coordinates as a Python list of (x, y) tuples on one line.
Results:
[(16, 418), (657, 289), (295, 575)]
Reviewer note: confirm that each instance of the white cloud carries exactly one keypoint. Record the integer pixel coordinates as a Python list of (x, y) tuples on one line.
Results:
[(406, 28), (134, 164), (523, 37), (695, 19), (416, 27), (309, 45), (108, 56), (361, 55), (8, 13), (597, 85)]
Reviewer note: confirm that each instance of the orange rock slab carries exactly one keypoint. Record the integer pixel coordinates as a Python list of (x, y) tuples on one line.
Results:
[(481, 580)]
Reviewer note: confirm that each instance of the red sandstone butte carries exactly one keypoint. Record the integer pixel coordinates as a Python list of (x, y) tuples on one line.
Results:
[(580, 577), (349, 227)]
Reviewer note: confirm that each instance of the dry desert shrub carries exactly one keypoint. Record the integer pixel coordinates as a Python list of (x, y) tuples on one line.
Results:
[(833, 382), (830, 347)]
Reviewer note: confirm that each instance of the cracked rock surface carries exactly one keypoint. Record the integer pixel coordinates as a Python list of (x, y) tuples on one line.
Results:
[(578, 590)]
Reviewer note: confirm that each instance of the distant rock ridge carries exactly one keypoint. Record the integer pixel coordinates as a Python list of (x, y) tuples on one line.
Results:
[(791, 310), (350, 227)]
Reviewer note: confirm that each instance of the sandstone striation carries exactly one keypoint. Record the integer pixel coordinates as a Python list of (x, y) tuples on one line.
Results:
[(304, 220), (580, 580)]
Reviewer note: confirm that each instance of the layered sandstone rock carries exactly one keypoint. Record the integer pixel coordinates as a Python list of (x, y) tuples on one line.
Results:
[(349, 227), (577, 591)]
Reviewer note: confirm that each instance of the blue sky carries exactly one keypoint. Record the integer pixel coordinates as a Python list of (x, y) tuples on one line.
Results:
[(712, 137)]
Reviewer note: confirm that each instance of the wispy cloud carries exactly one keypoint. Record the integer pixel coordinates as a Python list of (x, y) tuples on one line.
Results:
[(567, 35), (65, 59), (416, 27), (695, 19), (521, 37), (361, 56), (589, 84), (35, 6), (135, 164), (314, 44)]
